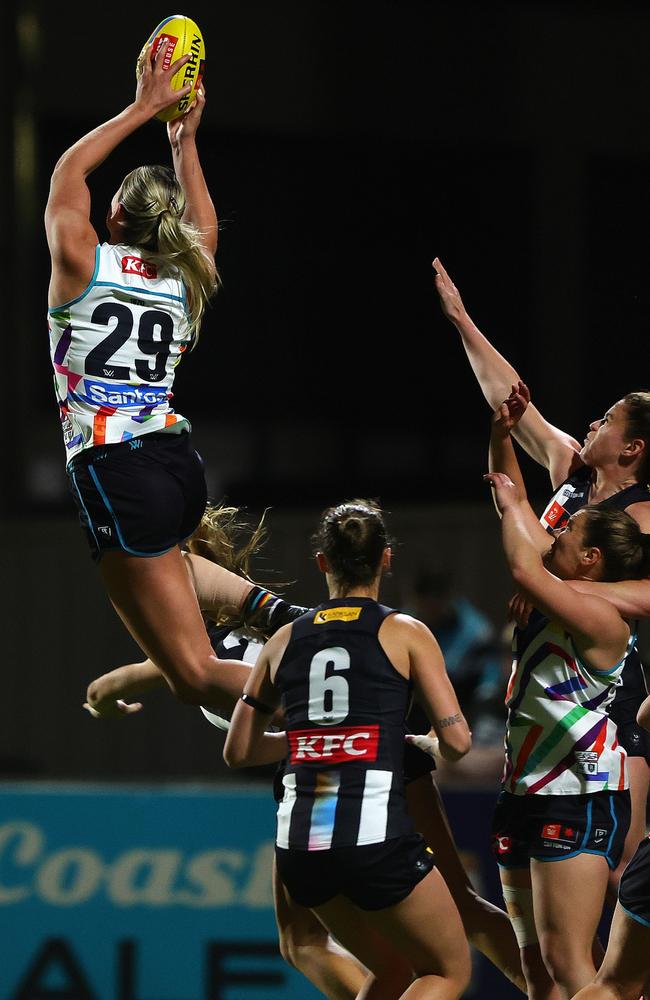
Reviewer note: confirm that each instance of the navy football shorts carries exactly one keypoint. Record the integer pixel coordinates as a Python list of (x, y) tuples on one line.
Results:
[(372, 876), (634, 887), (143, 496), (554, 827)]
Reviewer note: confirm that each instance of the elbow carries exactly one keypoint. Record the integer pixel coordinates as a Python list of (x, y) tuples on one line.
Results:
[(232, 758), (521, 575), (193, 688), (93, 692), (453, 749)]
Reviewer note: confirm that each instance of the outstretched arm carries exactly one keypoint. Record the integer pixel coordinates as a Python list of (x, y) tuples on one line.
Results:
[(595, 624), (70, 234), (548, 445), (109, 696), (630, 597), (247, 743), (502, 457), (199, 208)]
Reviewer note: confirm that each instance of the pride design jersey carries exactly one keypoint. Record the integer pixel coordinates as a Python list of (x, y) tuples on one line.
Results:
[(114, 350), (559, 737)]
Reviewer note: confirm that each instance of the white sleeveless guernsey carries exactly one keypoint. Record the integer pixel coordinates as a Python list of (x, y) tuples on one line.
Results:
[(559, 737), (114, 350)]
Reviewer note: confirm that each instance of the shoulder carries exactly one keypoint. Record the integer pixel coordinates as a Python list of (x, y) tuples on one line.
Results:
[(410, 629), (641, 513)]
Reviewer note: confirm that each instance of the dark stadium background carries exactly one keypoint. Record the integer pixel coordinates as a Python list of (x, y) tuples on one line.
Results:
[(345, 144)]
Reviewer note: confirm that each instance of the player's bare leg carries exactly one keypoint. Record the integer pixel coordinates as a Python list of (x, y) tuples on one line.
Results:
[(488, 927), (155, 599)]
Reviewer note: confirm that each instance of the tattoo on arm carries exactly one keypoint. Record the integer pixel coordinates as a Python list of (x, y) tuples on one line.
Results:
[(451, 720)]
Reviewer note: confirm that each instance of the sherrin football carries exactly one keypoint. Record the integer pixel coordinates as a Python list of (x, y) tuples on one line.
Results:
[(183, 36)]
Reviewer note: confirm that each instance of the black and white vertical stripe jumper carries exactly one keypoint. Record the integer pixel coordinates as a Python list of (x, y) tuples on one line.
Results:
[(345, 707)]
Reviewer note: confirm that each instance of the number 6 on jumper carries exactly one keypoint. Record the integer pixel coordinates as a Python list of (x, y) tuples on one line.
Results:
[(329, 701)]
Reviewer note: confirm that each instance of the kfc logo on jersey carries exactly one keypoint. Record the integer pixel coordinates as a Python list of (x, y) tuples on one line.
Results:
[(136, 265), (334, 746)]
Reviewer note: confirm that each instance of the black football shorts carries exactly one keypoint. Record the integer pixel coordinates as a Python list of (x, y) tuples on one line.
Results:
[(143, 496)]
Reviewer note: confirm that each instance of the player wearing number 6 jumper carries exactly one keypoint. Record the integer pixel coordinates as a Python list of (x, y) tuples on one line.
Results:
[(121, 314), (346, 847)]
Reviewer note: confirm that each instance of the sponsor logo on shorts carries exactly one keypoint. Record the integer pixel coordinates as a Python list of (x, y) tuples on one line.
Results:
[(557, 832), (120, 394), (600, 835), (336, 615), (104, 529), (502, 844), (136, 265), (335, 746)]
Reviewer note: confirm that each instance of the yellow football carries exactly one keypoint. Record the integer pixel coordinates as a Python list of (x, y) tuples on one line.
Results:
[(183, 36)]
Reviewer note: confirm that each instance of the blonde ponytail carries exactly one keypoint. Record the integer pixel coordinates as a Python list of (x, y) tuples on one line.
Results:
[(154, 204)]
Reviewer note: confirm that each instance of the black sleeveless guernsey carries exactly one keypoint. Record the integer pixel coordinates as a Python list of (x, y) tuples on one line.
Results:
[(345, 707)]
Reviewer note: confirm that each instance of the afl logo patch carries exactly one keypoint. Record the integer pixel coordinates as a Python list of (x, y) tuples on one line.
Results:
[(336, 615)]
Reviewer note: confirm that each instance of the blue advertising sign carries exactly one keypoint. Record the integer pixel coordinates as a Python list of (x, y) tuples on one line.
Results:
[(164, 892), (120, 893)]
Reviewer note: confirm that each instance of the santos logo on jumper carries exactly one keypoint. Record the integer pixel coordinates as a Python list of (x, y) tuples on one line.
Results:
[(335, 746), (136, 265), (101, 394)]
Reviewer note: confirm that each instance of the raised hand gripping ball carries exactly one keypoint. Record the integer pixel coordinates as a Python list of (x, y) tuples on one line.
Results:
[(183, 35)]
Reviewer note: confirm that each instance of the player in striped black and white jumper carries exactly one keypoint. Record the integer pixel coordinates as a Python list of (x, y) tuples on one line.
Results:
[(217, 557), (343, 674), (121, 315), (564, 810)]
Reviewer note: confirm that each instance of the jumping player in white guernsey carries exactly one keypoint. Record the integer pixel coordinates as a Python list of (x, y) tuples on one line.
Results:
[(563, 814), (121, 315), (106, 392), (346, 846), (611, 466)]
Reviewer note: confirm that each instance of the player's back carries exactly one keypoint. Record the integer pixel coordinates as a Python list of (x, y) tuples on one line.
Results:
[(345, 706)]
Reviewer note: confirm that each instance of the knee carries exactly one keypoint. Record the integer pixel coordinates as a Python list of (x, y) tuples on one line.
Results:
[(535, 972), (561, 955), (299, 946), (456, 970), (460, 976), (191, 684)]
